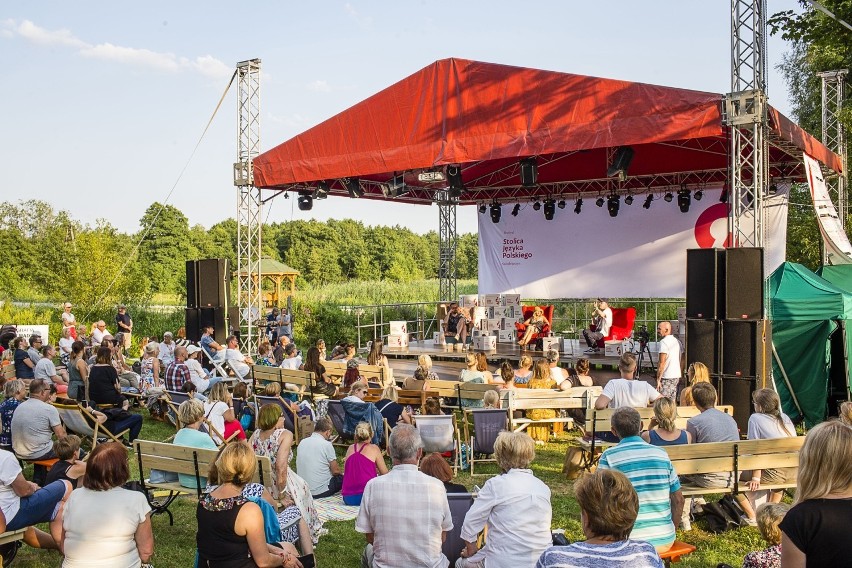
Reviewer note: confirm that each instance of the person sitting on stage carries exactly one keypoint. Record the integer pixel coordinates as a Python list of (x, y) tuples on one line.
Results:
[(455, 325), (534, 324), (601, 321)]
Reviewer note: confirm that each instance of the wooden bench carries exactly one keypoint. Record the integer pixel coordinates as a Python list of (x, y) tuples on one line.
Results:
[(371, 373), (302, 380), (447, 390), (473, 391), (598, 421), (735, 457), (529, 399), (11, 536), (417, 399), (189, 461)]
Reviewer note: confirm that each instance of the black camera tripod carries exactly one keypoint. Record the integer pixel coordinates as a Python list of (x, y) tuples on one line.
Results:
[(643, 348)]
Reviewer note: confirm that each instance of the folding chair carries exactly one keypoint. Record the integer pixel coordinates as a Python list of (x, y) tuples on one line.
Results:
[(220, 369), (460, 503), (487, 425), (290, 421), (338, 416), (173, 399), (439, 434), (81, 421)]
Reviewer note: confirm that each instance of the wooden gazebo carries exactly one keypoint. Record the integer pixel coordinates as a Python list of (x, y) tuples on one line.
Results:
[(278, 274)]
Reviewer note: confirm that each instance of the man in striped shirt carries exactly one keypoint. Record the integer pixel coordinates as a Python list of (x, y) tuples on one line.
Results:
[(650, 471)]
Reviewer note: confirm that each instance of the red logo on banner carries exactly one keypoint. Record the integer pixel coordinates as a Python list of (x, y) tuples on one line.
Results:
[(703, 234)]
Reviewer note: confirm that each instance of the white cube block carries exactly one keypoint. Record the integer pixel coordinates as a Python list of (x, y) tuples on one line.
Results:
[(398, 328), (553, 342), (506, 336), (468, 300), (485, 343), (397, 341), (489, 300), (613, 348), (439, 338), (510, 299)]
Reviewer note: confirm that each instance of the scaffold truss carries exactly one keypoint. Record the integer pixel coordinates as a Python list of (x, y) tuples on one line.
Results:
[(834, 135), (447, 244)]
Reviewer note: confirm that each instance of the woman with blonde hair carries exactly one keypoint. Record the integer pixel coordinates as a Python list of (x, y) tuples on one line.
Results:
[(471, 374), (542, 379), (391, 410), (524, 373), (482, 366), (534, 324), (769, 517), (363, 462), (666, 433), (491, 399), (816, 530), (219, 410), (696, 373), (426, 362)]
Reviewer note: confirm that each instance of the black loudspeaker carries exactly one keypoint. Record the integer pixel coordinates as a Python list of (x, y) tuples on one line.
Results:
[(747, 349), (529, 172), (736, 391), (191, 284), (702, 343), (743, 284), (213, 283), (705, 269), (192, 324)]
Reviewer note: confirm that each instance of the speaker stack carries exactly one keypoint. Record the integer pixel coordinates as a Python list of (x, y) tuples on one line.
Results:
[(208, 284), (725, 328)]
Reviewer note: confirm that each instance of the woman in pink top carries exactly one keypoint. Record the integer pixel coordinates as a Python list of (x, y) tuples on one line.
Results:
[(360, 465)]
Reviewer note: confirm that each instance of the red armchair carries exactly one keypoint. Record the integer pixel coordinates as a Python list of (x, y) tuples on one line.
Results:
[(622, 325), (527, 313)]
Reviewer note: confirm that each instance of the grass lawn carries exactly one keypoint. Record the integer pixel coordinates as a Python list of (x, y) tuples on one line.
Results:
[(341, 548)]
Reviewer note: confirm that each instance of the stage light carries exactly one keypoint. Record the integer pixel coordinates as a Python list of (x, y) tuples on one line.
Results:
[(305, 201), (668, 197), (549, 209), (454, 176), (723, 198), (698, 195), (561, 204), (578, 206), (613, 203), (353, 186), (599, 202), (482, 209), (537, 206), (648, 200), (620, 162), (496, 212), (684, 199), (396, 187), (516, 209), (628, 200), (321, 191), (529, 172)]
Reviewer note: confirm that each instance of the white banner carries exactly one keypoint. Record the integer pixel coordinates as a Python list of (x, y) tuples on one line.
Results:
[(838, 250), (641, 253), (28, 330)]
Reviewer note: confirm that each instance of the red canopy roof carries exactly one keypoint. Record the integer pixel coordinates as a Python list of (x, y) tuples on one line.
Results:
[(485, 116)]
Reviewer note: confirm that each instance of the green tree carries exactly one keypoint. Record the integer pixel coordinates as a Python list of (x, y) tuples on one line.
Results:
[(166, 246)]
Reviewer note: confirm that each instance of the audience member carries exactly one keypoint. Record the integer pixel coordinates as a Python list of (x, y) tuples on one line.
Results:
[(769, 517), (491, 399), (127, 378), (278, 351), (391, 410), (320, 345), (711, 425), (46, 370), (471, 374), (482, 367), (271, 439), (352, 375), (34, 423), (663, 431), (409, 535), (34, 351), (357, 392), (124, 326), (696, 373), (316, 461), (845, 413), (177, 373), (542, 379), (215, 351), (816, 530), (69, 467), (190, 415), (230, 527), (219, 410), (322, 382), (524, 372), (264, 355), (375, 356), (423, 360), (292, 359), (15, 392), (432, 407), (99, 331), (68, 320), (625, 391), (419, 382), (65, 344), (609, 506), (149, 378), (560, 375), (515, 506), (363, 461), (167, 349), (507, 374), (78, 372), (652, 474), (23, 363), (103, 380), (436, 466), (198, 374)]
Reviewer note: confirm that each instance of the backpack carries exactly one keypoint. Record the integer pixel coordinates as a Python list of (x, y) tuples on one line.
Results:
[(247, 417), (724, 515)]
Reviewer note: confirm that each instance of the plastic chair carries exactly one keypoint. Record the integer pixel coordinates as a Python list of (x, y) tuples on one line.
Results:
[(439, 434)]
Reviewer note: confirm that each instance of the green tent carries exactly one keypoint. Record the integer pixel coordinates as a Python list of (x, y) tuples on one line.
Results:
[(807, 312)]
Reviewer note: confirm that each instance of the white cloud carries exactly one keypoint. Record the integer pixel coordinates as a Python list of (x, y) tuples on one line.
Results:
[(206, 65), (319, 86), (363, 21)]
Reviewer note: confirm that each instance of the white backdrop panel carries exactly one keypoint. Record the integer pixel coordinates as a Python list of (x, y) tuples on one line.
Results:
[(641, 253)]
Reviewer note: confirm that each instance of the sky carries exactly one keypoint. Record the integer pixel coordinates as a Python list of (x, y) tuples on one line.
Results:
[(104, 101)]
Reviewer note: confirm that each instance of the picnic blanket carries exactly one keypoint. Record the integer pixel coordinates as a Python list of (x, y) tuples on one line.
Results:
[(333, 509)]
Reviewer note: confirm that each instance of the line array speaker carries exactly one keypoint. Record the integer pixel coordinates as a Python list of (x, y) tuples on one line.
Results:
[(191, 284), (724, 283), (703, 343), (196, 319), (705, 269), (213, 282), (747, 349)]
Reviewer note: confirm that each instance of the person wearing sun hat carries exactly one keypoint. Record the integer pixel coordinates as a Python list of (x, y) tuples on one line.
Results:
[(199, 376)]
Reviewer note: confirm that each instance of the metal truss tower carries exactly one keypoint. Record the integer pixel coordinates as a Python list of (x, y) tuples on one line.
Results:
[(447, 243), (834, 134), (746, 115), (249, 206)]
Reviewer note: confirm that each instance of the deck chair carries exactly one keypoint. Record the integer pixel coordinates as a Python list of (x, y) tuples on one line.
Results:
[(487, 424), (460, 503), (290, 421), (173, 399), (81, 421), (220, 369), (440, 434), (338, 416)]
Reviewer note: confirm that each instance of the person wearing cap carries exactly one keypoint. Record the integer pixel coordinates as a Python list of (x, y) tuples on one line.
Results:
[(199, 376), (602, 322), (68, 320), (167, 349), (124, 325)]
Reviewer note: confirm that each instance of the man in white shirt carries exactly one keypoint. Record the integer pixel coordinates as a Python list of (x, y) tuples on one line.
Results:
[(668, 369), (199, 376), (626, 391), (404, 514), (99, 333), (602, 321), (316, 461), (292, 360), (45, 369), (33, 425), (241, 364), (167, 349)]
